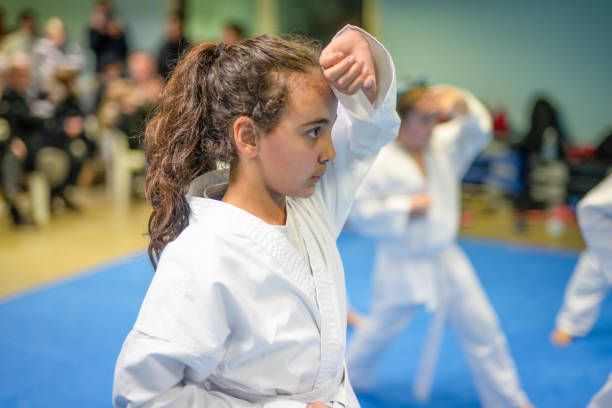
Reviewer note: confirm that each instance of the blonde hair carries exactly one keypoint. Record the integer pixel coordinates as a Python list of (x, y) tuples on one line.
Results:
[(408, 100), (54, 24)]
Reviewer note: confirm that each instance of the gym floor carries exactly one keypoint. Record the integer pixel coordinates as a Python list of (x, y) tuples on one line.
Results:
[(70, 291)]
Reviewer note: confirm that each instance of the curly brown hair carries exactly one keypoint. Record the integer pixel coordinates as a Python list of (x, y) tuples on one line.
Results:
[(190, 131)]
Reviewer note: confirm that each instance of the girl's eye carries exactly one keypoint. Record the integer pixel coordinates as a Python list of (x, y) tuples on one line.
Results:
[(314, 132)]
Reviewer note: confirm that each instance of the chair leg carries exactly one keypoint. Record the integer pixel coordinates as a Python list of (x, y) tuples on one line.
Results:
[(40, 197)]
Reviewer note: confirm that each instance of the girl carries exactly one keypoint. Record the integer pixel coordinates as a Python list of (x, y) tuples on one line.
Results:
[(247, 307), (410, 202)]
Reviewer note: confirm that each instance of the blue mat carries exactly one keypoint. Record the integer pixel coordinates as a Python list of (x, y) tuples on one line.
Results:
[(59, 343)]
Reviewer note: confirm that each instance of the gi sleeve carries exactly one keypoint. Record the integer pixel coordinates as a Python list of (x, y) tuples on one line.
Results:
[(150, 371), (360, 131), (377, 213), (465, 136), (595, 220)]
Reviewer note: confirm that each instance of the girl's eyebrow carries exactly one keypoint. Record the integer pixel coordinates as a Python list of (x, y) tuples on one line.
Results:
[(322, 121)]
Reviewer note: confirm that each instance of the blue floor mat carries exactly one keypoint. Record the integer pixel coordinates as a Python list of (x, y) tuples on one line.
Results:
[(59, 343)]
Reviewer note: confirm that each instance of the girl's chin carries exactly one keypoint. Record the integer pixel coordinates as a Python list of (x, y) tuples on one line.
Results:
[(305, 192)]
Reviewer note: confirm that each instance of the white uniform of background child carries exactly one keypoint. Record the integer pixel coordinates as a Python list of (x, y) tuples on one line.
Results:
[(595, 220), (410, 202)]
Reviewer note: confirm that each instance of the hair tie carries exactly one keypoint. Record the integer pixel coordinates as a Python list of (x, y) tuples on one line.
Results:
[(219, 49)]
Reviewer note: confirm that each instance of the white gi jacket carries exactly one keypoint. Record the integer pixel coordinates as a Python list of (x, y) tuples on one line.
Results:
[(595, 220), (227, 320), (382, 207)]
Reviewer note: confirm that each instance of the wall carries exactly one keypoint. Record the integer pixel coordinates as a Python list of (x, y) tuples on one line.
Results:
[(206, 18), (507, 51)]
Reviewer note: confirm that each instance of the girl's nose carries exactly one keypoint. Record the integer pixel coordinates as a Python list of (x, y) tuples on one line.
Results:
[(329, 153)]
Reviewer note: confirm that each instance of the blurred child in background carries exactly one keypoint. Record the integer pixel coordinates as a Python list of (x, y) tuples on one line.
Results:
[(410, 203)]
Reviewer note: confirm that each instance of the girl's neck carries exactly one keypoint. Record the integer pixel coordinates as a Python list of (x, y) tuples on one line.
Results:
[(256, 199)]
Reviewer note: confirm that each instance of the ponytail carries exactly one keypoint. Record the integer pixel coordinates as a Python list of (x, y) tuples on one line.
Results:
[(174, 149)]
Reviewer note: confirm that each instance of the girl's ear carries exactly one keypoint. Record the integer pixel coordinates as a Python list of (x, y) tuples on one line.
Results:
[(246, 136)]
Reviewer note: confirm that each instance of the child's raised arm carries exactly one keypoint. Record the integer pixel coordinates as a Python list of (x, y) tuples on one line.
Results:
[(362, 75)]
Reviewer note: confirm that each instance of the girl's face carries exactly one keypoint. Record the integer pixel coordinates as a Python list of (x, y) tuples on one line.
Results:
[(415, 130), (293, 154)]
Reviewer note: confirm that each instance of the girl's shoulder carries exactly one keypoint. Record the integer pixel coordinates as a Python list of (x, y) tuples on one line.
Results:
[(212, 226), (220, 237)]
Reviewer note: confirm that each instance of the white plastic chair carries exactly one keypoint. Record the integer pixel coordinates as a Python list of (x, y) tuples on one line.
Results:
[(124, 162)]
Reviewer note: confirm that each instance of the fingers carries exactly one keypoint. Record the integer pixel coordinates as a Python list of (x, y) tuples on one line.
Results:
[(330, 58), (443, 101), (353, 78), (334, 72), (349, 75), (420, 203), (370, 87), (434, 104)]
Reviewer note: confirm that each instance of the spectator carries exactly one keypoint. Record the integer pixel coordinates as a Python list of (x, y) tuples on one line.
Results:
[(25, 132), (21, 40), (232, 33), (542, 148), (3, 30), (111, 69), (53, 53), (68, 135), (136, 105), (106, 34), (174, 46)]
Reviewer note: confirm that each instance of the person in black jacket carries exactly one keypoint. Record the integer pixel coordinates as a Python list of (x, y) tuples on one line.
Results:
[(173, 48), (26, 130), (543, 144), (106, 34), (68, 135)]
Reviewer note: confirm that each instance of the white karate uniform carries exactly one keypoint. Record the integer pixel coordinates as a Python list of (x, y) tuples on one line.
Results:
[(236, 316), (595, 220), (419, 262), (585, 291)]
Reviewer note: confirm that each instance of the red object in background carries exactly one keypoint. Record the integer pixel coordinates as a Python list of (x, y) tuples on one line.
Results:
[(500, 121), (562, 212), (536, 216), (501, 125), (578, 153)]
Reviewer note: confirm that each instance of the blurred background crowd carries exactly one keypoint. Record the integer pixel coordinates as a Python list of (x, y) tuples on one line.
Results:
[(73, 114)]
